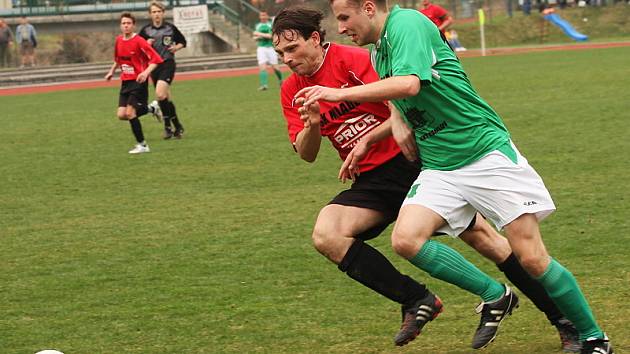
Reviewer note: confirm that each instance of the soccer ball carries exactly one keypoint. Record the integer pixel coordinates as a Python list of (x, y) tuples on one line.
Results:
[(49, 351)]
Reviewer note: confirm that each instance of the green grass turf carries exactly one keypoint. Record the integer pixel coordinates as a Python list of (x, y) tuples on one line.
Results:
[(203, 245)]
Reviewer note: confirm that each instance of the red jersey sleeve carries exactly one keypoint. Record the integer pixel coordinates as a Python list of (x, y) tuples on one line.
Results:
[(439, 12), (435, 13), (116, 44), (152, 56)]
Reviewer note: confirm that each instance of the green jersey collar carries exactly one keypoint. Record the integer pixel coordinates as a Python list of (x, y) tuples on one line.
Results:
[(384, 30)]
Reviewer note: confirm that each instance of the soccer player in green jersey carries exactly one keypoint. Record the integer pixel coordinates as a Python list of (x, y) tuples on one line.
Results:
[(469, 161), (265, 53)]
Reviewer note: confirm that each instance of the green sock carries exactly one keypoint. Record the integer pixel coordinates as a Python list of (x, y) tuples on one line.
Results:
[(278, 74), (444, 263), (566, 294), (264, 77)]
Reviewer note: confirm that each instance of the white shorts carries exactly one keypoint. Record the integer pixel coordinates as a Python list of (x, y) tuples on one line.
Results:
[(266, 55), (498, 188)]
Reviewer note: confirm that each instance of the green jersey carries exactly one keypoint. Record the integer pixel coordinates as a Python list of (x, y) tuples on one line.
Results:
[(264, 28), (453, 126)]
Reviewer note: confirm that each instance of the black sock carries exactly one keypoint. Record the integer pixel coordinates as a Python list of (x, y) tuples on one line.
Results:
[(530, 287), (167, 123), (369, 267), (136, 129), (168, 111), (176, 123), (142, 110), (173, 115)]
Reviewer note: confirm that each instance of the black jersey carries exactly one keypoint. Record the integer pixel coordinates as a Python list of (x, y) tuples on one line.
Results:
[(164, 36)]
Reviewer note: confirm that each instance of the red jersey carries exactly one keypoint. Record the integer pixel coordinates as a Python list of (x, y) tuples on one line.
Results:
[(134, 55), (435, 13), (344, 123)]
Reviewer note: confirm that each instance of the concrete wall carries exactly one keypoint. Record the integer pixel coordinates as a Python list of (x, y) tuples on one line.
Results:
[(6, 4), (198, 44)]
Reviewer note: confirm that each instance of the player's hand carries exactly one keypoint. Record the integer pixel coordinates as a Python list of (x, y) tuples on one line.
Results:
[(151, 41), (173, 49), (142, 77), (313, 94), (109, 76), (404, 137), (309, 115), (350, 166)]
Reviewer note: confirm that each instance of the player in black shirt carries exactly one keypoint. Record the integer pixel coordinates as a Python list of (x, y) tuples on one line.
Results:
[(166, 39)]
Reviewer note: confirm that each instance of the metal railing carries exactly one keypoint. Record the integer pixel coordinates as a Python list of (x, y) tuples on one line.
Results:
[(64, 7)]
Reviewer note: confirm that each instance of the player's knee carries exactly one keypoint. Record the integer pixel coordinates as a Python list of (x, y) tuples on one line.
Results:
[(534, 264), (405, 244), (122, 116), (161, 96), (488, 243), (323, 241)]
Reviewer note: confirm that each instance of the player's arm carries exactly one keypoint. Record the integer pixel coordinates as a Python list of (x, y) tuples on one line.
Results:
[(175, 47), (179, 37), (154, 60), (143, 76), (150, 53), (308, 141), (262, 35), (448, 20), (403, 135), (350, 166), (392, 88), (111, 71), (303, 127), (396, 126)]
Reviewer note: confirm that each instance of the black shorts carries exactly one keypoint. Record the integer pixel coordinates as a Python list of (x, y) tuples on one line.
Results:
[(382, 189), (134, 94), (164, 72)]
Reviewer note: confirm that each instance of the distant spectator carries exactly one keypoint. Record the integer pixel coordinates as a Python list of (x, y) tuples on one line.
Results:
[(527, 7), (453, 40), (26, 37), (6, 40), (437, 14)]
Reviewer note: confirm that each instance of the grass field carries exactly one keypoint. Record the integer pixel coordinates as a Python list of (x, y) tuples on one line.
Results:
[(203, 245)]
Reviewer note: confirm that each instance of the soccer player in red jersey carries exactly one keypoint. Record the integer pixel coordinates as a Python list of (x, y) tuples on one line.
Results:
[(372, 202), (136, 59), (437, 14)]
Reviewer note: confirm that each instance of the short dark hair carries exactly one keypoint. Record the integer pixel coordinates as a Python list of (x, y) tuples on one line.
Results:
[(128, 15), (299, 19)]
